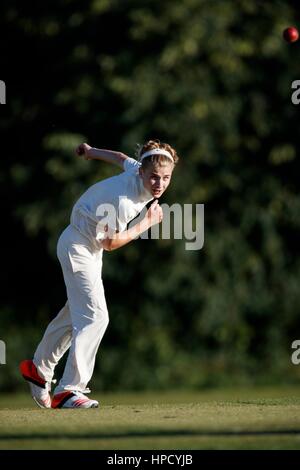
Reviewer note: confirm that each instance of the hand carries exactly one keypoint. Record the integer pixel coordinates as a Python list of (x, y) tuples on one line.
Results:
[(154, 214), (84, 150)]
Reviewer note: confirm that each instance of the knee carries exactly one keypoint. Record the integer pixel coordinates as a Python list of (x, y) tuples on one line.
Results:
[(106, 319), (102, 318)]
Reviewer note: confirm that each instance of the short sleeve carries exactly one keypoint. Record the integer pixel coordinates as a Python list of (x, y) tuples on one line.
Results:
[(130, 164)]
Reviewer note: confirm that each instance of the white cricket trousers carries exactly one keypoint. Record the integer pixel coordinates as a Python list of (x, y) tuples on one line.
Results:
[(81, 323)]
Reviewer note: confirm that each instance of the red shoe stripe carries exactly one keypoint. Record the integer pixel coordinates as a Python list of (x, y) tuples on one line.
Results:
[(60, 399), (80, 401)]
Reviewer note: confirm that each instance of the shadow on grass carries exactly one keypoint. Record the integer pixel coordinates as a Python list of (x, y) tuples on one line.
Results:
[(152, 433)]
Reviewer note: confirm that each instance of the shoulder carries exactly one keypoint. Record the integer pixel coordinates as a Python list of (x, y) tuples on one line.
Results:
[(130, 164)]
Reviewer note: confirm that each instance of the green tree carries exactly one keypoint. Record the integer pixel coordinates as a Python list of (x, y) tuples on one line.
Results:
[(214, 80)]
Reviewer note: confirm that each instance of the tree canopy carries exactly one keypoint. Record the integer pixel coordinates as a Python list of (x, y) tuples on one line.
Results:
[(213, 79)]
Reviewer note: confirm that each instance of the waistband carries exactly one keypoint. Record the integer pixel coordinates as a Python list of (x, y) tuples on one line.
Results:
[(74, 235)]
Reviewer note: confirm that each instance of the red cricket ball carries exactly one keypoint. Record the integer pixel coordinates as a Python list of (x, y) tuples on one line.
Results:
[(291, 34)]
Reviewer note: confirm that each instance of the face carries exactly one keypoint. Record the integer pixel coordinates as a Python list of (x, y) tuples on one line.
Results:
[(157, 178)]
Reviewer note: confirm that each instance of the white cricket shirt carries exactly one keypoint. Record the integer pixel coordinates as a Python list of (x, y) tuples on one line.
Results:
[(114, 202)]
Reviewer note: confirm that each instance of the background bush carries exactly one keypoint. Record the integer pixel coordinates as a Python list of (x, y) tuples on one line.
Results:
[(214, 80)]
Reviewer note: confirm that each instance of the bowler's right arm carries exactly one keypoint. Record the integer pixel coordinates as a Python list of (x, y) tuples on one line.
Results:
[(109, 156)]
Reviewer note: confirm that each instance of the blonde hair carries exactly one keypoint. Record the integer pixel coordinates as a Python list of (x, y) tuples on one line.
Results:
[(157, 159)]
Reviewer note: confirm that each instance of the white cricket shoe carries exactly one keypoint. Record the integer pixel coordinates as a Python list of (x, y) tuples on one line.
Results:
[(74, 399)]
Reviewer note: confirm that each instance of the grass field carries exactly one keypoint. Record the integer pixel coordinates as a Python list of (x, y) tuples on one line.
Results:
[(260, 418)]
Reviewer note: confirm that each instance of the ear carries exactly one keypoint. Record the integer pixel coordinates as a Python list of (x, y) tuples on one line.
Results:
[(141, 171)]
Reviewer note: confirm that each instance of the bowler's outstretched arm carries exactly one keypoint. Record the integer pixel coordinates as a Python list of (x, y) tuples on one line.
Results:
[(109, 156)]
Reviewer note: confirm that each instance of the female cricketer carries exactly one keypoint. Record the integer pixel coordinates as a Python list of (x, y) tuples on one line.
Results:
[(98, 222)]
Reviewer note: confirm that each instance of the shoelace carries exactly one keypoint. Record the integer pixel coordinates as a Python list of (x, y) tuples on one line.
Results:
[(53, 381)]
